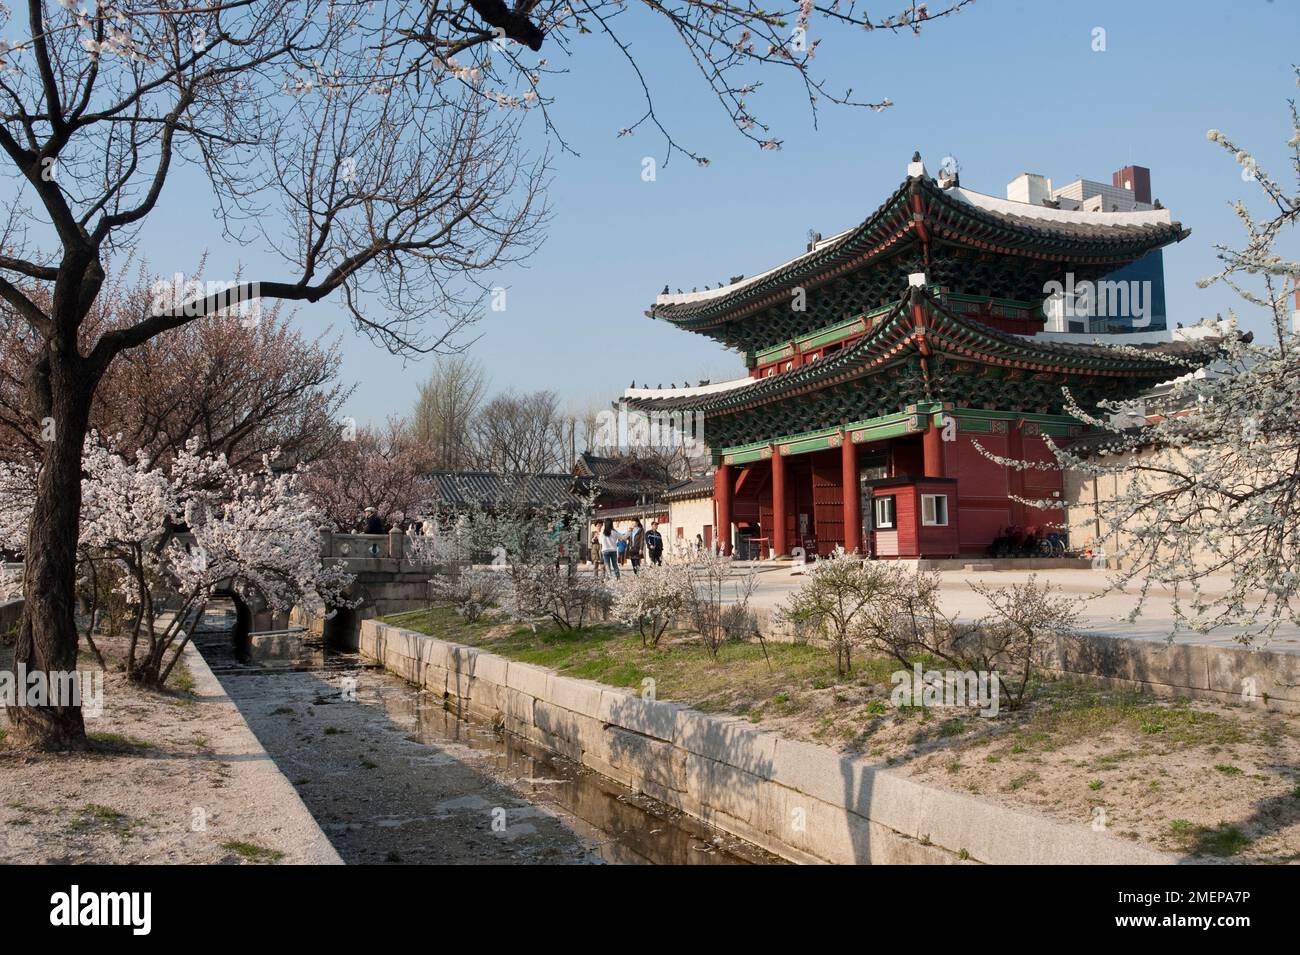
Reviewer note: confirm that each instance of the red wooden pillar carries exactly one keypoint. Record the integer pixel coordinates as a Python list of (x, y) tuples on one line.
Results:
[(779, 547), (722, 497), (932, 447), (852, 502)]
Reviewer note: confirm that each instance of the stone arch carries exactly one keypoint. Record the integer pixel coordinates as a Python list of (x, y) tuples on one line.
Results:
[(343, 629)]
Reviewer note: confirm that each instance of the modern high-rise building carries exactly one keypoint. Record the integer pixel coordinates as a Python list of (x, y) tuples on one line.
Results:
[(1130, 299)]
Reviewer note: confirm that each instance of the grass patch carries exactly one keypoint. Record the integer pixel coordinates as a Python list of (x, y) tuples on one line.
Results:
[(181, 679), (252, 852), (1023, 780), (737, 681), (119, 740), (1066, 712), (1221, 841), (21, 806), (1227, 770), (950, 728), (94, 816)]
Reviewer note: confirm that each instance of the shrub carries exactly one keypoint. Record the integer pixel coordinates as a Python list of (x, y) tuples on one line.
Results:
[(651, 599), (883, 607), (847, 602), (468, 591), (1018, 634), (555, 591), (718, 599)]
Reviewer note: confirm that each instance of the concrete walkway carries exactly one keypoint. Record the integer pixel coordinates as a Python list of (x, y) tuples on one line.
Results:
[(1099, 614)]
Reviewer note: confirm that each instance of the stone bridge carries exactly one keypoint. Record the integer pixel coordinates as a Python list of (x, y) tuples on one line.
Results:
[(386, 581)]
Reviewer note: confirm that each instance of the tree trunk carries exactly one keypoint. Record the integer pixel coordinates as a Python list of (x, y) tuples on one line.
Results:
[(47, 636)]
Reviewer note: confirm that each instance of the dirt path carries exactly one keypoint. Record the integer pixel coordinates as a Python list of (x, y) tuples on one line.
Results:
[(174, 778)]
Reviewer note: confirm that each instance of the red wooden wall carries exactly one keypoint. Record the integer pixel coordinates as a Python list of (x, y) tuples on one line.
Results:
[(828, 500)]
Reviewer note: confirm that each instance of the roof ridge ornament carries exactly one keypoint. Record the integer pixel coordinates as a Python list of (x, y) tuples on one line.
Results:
[(916, 168)]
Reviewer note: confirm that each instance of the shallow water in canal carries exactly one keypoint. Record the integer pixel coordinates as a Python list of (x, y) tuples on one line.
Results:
[(393, 776)]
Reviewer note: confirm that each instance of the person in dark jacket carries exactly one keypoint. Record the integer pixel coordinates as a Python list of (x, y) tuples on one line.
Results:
[(374, 523), (636, 545), (654, 544)]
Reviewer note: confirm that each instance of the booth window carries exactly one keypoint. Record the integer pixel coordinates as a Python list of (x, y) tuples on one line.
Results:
[(934, 510), (885, 512)]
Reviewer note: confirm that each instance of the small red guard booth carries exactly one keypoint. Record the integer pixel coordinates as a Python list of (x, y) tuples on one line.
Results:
[(913, 517)]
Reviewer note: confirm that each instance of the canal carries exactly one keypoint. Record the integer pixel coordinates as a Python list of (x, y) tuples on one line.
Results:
[(393, 776)]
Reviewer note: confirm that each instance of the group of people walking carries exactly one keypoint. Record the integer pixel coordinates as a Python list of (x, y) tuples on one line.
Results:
[(611, 547)]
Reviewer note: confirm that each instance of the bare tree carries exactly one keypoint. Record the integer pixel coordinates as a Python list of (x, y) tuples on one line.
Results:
[(245, 387), (395, 195), (373, 147), (522, 434), (448, 401)]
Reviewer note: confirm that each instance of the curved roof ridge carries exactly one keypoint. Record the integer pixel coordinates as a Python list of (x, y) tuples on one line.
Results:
[(688, 298), (1128, 234), (1011, 207), (758, 387), (1117, 352)]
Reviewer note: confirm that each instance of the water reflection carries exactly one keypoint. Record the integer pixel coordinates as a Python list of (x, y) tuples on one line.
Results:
[(621, 826), (626, 827)]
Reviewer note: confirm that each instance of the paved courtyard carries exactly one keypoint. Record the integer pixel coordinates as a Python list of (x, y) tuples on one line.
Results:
[(1099, 614)]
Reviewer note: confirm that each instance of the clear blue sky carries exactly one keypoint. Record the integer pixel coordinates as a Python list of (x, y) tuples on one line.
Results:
[(1005, 87)]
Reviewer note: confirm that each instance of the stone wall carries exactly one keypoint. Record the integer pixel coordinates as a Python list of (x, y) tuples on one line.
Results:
[(1225, 674), (804, 802), (1260, 678)]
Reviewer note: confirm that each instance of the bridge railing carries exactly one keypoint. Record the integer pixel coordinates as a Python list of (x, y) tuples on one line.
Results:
[(344, 546)]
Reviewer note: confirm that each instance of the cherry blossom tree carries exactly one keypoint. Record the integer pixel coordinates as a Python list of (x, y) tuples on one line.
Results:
[(179, 535), (1208, 499), (393, 196), (654, 598), (254, 532), (385, 468)]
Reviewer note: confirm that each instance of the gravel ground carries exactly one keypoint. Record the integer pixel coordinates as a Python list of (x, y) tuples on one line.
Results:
[(173, 777)]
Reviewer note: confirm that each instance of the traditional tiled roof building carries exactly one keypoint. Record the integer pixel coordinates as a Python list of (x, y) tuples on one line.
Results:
[(879, 358)]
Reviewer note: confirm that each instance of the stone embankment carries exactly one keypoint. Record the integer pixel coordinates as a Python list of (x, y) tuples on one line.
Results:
[(801, 801)]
